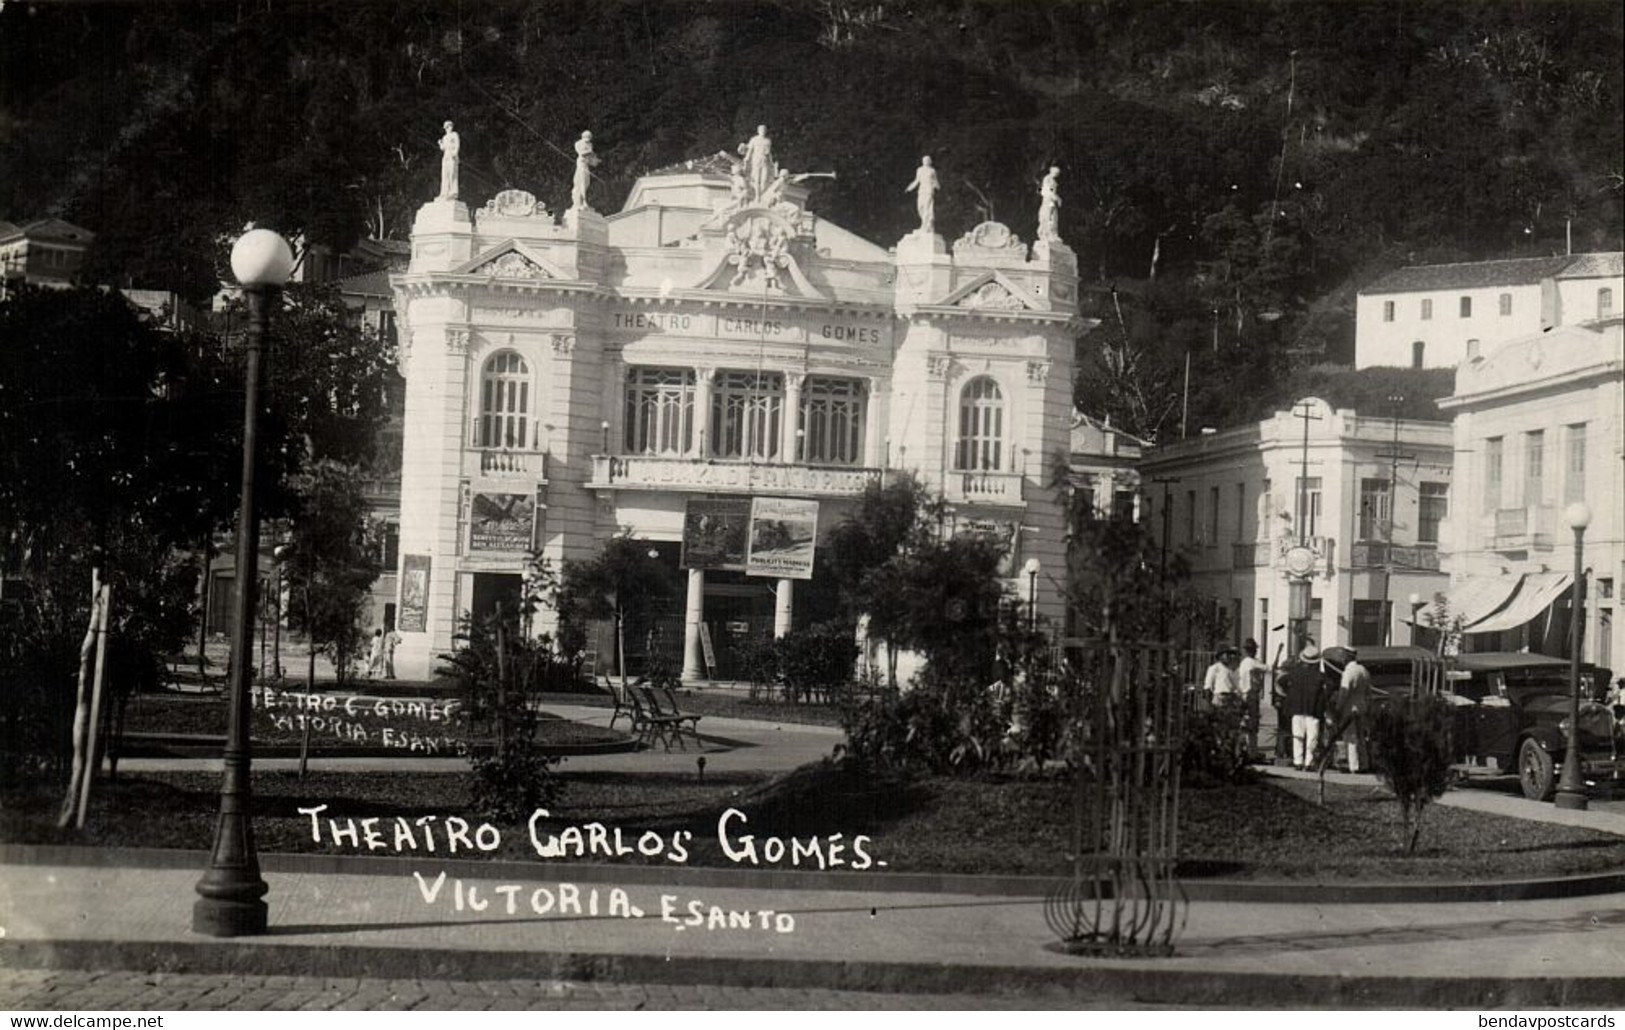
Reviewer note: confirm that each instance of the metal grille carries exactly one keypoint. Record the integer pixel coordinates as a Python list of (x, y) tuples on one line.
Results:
[(1123, 897)]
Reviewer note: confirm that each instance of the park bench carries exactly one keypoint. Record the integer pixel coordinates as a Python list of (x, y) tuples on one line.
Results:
[(669, 709), (649, 723), (623, 706)]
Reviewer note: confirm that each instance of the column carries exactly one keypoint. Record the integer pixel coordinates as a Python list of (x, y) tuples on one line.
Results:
[(703, 378), (874, 443), (693, 615), (783, 599), (791, 416)]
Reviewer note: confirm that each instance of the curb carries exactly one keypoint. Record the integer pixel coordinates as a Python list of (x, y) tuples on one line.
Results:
[(1255, 892), (1096, 978)]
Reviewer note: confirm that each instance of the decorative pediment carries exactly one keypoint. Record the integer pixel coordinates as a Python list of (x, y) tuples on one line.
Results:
[(761, 255), (510, 260), (990, 291), (990, 238), (515, 204)]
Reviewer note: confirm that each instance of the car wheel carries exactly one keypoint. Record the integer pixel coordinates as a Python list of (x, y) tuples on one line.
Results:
[(1536, 771)]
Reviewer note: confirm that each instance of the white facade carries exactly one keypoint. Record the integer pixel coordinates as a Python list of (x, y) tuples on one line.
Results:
[(1538, 425), (707, 342), (1437, 316), (1235, 503)]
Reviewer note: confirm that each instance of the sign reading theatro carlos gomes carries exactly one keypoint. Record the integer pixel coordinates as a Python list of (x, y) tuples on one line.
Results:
[(782, 535)]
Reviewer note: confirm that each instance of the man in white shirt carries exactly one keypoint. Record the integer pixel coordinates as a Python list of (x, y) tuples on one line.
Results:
[(1254, 677), (1222, 684), (1354, 697)]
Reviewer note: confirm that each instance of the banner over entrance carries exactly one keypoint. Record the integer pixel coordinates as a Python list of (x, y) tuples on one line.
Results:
[(715, 533), (782, 537)]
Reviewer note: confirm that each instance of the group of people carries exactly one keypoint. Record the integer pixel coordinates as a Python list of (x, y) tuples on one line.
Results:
[(381, 658), (1315, 691)]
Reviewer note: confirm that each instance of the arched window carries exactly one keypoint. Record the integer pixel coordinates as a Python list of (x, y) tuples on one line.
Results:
[(1417, 349), (505, 402), (1605, 302), (831, 421), (981, 426)]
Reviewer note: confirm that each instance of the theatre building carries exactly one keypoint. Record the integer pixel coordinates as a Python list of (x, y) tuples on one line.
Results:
[(715, 356)]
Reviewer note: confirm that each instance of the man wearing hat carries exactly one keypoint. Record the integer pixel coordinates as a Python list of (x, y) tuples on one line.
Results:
[(1222, 685), (1305, 705), (1353, 698), (1254, 675)]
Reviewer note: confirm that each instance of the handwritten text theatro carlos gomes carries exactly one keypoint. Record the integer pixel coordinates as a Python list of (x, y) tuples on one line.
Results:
[(453, 836)]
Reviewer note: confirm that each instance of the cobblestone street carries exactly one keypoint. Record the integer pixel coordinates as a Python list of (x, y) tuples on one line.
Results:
[(54, 991)]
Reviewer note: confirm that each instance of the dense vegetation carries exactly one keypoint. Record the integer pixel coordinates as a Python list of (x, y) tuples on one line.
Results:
[(1232, 172)]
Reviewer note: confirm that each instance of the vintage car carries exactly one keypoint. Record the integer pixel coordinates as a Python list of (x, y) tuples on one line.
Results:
[(1512, 709), (1509, 710)]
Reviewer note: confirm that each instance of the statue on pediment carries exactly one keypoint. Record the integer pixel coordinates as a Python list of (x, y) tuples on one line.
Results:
[(586, 161), (451, 147), (760, 168), (925, 187), (1049, 207)]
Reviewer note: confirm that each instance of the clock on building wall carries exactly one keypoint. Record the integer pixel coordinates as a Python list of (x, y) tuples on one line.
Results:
[(1299, 560)]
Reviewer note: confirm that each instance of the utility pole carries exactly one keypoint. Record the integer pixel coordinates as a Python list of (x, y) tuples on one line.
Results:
[(1162, 573), (1394, 458)]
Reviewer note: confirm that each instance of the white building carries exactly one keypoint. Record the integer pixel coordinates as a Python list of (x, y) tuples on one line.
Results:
[(1308, 495), (714, 340), (1437, 316), (42, 252), (1538, 426)]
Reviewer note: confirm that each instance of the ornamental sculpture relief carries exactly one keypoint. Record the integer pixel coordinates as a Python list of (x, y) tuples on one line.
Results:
[(758, 251), (992, 296), (992, 236), (514, 265), (1037, 371), (514, 204)]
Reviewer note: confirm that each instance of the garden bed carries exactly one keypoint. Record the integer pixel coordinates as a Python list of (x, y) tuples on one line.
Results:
[(1261, 830)]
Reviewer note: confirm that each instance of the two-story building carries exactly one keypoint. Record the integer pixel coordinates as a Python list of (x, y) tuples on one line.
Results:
[(1437, 316), (42, 252), (1539, 425), (713, 353), (1330, 519)]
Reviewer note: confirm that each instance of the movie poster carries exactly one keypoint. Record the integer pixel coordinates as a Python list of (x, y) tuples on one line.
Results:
[(714, 533), (502, 522), (414, 614), (782, 536)]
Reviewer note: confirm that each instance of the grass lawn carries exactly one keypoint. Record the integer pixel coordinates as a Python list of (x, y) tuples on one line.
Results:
[(350, 721), (1267, 829)]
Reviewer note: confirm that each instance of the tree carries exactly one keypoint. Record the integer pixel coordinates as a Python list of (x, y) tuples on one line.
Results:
[(332, 561), (623, 582), (1410, 750)]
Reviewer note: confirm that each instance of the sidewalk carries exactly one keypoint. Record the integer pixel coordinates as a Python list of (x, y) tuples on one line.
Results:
[(1532, 953), (729, 745)]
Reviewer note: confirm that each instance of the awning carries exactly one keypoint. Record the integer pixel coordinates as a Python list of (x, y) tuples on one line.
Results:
[(1473, 599), (1535, 595)]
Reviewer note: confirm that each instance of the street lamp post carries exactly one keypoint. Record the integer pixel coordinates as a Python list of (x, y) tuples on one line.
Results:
[(1571, 790), (1031, 569), (231, 900)]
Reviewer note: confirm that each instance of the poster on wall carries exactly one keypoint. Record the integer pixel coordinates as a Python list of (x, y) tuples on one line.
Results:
[(502, 522), (782, 537), (414, 614), (1005, 533), (714, 533)]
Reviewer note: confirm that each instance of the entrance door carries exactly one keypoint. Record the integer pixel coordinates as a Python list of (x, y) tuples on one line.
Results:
[(492, 589)]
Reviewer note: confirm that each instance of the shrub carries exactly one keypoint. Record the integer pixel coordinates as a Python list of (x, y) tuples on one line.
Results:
[(1410, 750), (1215, 750), (820, 656), (492, 671), (941, 725)]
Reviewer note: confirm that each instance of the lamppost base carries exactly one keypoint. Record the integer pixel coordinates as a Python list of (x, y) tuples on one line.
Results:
[(218, 917), (1572, 800)]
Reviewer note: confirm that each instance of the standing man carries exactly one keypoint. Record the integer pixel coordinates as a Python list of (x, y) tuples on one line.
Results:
[(1354, 697), (1222, 685), (1254, 675), (925, 201), (1305, 705), (392, 639)]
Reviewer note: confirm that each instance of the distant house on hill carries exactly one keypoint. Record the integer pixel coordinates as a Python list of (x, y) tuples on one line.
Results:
[(1437, 316), (43, 252)]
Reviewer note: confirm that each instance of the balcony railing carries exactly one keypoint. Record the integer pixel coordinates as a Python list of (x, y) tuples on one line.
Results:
[(1408, 558), (616, 472), (1520, 528), (526, 464), (983, 487)]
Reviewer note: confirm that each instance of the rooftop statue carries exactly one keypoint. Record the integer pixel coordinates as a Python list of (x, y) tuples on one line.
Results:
[(760, 168), (450, 149), (1049, 207), (586, 160), (925, 188)]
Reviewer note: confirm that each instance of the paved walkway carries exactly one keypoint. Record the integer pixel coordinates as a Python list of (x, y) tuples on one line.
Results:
[(729, 745), (384, 926)]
